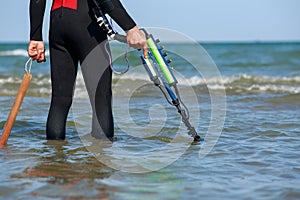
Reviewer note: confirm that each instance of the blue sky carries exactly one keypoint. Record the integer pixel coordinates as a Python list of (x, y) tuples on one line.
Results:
[(203, 20)]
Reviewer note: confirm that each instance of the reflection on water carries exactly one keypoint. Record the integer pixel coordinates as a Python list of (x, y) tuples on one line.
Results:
[(136, 155), (63, 165), (55, 169)]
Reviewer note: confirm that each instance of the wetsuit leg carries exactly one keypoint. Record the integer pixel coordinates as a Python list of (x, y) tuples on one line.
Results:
[(63, 75), (98, 80), (89, 43)]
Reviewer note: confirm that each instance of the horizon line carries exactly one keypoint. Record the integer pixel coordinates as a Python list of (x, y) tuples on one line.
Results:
[(199, 41)]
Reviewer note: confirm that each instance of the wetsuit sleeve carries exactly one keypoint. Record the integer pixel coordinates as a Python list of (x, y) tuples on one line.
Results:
[(36, 15), (118, 13)]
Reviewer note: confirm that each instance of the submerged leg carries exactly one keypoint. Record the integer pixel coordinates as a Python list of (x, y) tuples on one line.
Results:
[(63, 75), (56, 122), (98, 78)]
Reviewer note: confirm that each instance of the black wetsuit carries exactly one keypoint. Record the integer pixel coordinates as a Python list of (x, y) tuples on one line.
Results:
[(73, 35)]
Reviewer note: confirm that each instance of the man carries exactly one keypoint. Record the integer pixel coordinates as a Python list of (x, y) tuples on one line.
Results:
[(73, 35)]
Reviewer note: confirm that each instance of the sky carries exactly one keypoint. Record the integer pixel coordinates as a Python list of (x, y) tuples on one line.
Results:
[(202, 20)]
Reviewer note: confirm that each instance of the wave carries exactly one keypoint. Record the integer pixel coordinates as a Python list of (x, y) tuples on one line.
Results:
[(243, 83), (245, 79), (18, 52)]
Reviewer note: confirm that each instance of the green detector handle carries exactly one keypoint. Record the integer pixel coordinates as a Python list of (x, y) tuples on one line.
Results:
[(160, 59)]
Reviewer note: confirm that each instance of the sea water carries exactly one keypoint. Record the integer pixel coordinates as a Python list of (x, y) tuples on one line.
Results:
[(255, 156)]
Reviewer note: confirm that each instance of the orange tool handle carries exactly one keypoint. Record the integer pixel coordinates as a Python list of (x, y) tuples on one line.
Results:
[(15, 108)]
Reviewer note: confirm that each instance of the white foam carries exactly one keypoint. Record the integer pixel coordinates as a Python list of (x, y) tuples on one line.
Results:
[(18, 52), (10, 80), (235, 83), (274, 88), (198, 80)]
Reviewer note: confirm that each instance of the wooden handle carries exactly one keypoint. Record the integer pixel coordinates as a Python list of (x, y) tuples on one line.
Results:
[(15, 108)]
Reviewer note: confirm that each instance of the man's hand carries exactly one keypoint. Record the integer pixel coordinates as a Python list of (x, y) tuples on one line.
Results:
[(36, 51), (137, 40)]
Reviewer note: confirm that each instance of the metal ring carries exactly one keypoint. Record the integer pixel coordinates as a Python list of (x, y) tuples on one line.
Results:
[(27, 69)]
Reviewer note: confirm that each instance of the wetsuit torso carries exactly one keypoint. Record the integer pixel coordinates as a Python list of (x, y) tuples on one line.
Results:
[(74, 37)]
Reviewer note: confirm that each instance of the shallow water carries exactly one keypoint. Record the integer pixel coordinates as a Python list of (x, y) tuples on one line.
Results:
[(256, 156)]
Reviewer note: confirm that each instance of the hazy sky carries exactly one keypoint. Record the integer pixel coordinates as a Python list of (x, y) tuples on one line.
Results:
[(203, 20)]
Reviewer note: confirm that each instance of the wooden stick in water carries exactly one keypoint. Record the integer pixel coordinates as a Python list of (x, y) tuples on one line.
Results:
[(15, 108)]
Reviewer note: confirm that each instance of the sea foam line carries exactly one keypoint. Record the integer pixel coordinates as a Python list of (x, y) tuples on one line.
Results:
[(241, 79), (237, 83), (18, 52)]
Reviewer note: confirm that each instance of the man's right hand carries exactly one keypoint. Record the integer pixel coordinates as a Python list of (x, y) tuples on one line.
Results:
[(137, 40), (36, 51)]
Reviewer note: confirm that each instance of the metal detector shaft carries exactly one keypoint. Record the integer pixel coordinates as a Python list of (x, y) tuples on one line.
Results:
[(170, 81)]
